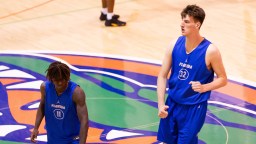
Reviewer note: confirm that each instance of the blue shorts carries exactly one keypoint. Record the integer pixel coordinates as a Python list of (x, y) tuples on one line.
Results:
[(182, 124), (75, 142)]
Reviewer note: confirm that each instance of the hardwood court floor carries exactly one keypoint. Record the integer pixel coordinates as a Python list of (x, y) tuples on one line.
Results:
[(65, 26), (74, 26)]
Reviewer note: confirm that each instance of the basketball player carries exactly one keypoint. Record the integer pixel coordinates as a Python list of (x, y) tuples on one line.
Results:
[(107, 15), (63, 105), (192, 61)]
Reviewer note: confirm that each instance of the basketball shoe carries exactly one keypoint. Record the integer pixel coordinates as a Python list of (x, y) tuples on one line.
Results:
[(114, 23)]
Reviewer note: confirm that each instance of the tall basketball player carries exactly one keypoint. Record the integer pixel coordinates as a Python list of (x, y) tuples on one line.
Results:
[(192, 61)]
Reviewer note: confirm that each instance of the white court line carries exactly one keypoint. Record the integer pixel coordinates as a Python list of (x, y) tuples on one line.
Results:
[(229, 106), (233, 106), (227, 137)]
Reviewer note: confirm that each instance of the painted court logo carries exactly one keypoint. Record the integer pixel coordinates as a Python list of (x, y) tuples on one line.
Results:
[(121, 100)]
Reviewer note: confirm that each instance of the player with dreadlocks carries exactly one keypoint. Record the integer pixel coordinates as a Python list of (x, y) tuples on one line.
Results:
[(63, 106)]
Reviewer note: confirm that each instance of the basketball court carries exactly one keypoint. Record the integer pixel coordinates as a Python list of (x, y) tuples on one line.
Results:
[(118, 67)]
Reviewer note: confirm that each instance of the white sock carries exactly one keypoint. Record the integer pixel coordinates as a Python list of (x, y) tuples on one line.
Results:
[(104, 10), (109, 16)]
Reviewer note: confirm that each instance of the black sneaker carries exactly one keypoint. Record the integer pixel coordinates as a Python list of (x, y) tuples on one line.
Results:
[(104, 16), (114, 23)]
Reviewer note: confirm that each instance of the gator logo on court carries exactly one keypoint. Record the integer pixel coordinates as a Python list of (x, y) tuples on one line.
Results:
[(121, 100)]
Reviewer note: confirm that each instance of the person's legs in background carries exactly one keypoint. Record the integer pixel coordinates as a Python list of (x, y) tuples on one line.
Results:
[(107, 14)]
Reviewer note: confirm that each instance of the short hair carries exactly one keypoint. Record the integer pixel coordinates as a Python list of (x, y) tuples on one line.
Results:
[(58, 70), (195, 11)]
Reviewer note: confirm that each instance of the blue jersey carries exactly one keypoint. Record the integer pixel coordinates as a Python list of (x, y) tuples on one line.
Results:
[(186, 68), (62, 123)]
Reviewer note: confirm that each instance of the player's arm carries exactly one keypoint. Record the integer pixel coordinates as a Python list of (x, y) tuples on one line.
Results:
[(82, 112), (39, 114), (214, 57), (214, 62), (162, 80)]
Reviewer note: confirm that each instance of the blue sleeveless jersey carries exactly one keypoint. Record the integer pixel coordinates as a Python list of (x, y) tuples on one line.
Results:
[(62, 123), (186, 68)]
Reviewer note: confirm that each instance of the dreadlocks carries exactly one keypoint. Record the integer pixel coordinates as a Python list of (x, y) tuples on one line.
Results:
[(58, 70)]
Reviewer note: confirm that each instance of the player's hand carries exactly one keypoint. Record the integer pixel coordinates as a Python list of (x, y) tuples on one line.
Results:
[(162, 111), (34, 135), (197, 86)]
